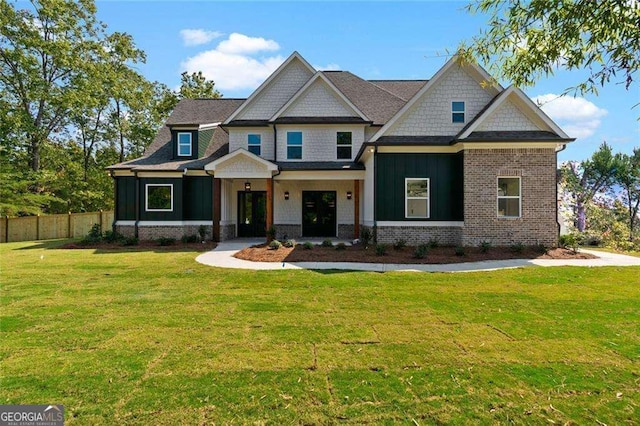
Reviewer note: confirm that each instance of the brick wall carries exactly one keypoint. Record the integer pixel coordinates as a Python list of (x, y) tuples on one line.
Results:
[(177, 232), (227, 232), (416, 235), (537, 224)]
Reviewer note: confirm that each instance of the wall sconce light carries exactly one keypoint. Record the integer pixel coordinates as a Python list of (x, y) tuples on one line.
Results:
[(286, 195), (349, 195), (372, 149), (247, 186)]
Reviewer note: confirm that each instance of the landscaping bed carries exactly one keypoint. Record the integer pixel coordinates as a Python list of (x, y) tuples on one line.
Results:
[(141, 245), (435, 255)]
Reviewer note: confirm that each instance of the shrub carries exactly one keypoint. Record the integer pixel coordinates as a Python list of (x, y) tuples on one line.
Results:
[(275, 245), (341, 246), (381, 249), (399, 244), (94, 235), (365, 237), (271, 233), (289, 243), (433, 243), (112, 237), (164, 241), (307, 245), (485, 246), (202, 233), (517, 248), (190, 239), (568, 241), (421, 251), (540, 248), (327, 243), (459, 250), (592, 240), (130, 241)]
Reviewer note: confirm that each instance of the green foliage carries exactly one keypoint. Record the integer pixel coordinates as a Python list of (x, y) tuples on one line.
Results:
[(540, 248), (485, 246), (94, 236), (459, 251), (165, 241), (517, 248), (381, 249), (112, 237), (307, 245), (195, 85), (399, 244), (433, 243), (327, 243), (290, 243), (627, 176), (271, 233), (527, 41), (187, 239), (568, 241), (274, 245), (130, 241), (421, 251), (341, 246), (366, 236), (202, 232)]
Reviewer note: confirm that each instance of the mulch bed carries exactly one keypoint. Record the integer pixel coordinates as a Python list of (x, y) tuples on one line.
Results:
[(142, 245), (438, 255)]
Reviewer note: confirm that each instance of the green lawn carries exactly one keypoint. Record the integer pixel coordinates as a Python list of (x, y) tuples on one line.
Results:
[(155, 338)]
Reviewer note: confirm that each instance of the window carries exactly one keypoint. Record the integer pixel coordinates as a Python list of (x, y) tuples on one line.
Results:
[(184, 144), (254, 144), (159, 197), (509, 197), (416, 198), (294, 145), (344, 145), (457, 112)]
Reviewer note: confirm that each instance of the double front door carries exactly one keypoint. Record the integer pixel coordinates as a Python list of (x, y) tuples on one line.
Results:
[(319, 213), (252, 213)]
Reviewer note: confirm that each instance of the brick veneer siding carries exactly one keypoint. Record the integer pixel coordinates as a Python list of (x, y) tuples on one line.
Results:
[(177, 232), (227, 232), (127, 231), (538, 221), (288, 231), (416, 235)]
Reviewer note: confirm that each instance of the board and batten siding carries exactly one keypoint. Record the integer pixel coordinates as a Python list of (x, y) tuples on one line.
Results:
[(125, 198), (445, 173), (198, 198)]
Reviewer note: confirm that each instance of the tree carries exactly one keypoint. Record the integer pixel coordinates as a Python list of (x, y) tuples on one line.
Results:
[(195, 85), (586, 179), (530, 39), (628, 177)]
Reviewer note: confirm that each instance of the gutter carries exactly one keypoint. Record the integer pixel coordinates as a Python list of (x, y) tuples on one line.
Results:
[(115, 201), (375, 199), (275, 144)]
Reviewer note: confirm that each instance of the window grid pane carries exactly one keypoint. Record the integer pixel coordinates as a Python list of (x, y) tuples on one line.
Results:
[(184, 144), (254, 149), (457, 117), (509, 197), (344, 153), (417, 198), (344, 138), (294, 138), (159, 197), (294, 152), (457, 106)]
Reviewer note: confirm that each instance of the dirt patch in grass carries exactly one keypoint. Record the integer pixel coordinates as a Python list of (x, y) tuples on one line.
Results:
[(438, 255), (141, 246)]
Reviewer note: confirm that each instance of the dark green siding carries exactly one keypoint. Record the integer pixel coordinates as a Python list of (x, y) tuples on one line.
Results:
[(198, 199), (194, 144), (446, 183), (175, 214), (204, 139), (126, 198)]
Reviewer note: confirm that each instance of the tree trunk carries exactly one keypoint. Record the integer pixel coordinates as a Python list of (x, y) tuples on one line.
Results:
[(581, 217), (35, 154), (120, 131)]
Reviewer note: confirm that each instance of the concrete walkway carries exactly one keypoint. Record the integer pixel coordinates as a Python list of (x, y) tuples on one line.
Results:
[(222, 257)]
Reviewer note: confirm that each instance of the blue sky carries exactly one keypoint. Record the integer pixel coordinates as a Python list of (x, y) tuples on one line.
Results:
[(237, 44)]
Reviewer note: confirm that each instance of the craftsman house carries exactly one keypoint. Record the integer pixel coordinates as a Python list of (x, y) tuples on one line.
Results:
[(325, 153)]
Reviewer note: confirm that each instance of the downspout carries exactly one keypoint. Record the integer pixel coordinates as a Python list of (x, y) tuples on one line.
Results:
[(137, 203), (375, 200), (275, 145), (115, 201)]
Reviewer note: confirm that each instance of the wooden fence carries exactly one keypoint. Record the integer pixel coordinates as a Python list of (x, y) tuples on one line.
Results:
[(48, 227)]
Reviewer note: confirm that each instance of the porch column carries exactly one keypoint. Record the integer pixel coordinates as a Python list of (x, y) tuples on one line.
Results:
[(217, 197), (269, 202), (356, 209)]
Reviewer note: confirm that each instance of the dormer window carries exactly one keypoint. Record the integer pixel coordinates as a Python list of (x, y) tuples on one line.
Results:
[(184, 144), (253, 143), (457, 112)]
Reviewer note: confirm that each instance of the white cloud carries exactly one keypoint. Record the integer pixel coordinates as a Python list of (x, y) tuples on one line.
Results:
[(578, 117), (241, 44), (234, 65), (195, 37), (329, 67)]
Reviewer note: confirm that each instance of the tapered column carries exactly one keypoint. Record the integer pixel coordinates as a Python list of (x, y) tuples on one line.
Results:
[(356, 209), (269, 202), (217, 209)]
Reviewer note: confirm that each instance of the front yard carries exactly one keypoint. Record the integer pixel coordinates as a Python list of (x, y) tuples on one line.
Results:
[(152, 337)]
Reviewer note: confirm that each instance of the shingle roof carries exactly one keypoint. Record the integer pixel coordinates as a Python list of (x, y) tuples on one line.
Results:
[(404, 89), (375, 102), (203, 111)]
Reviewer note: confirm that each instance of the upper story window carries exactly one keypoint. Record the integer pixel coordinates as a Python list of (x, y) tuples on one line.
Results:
[(457, 112), (159, 197), (416, 192), (184, 144), (253, 142), (344, 145), (294, 145), (509, 197)]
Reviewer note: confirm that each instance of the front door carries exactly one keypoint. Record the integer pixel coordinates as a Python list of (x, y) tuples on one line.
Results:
[(319, 213), (252, 213)]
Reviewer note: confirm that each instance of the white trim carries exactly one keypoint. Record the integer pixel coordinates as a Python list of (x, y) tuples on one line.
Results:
[(431, 83), (125, 223), (294, 55), (271, 168), (286, 146), (146, 197), (190, 144), (338, 175), (209, 126), (299, 93), (464, 111), (123, 173), (502, 98), (160, 174), (420, 223), (259, 144), (406, 198), (196, 172), (338, 146), (509, 197)]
